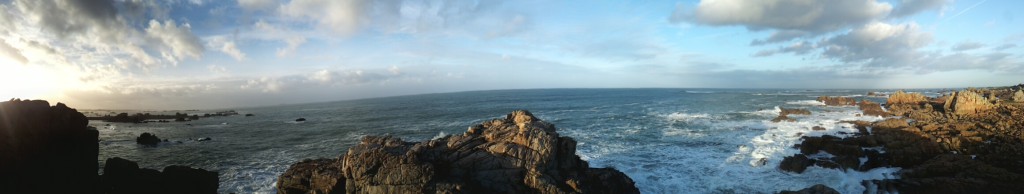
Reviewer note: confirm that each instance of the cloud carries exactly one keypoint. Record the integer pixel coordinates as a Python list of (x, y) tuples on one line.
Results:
[(878, 44), (320, 78), (257, 5), (227, 47), (966, 46), (1005, 46), (339, 16), (103, 32), (798, 15), (291, 44), (911, 7), (6, 50)]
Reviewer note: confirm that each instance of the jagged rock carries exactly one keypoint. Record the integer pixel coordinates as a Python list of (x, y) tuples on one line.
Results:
[(46, 149), (890, 123), (124, 176), (783, 118), (816, 189), (1018, 96), (966, 103), (952, 173), (793, 111), (796, 163), (906, 98), (147, 139), (837, 100), (518, 154), (871, 108)]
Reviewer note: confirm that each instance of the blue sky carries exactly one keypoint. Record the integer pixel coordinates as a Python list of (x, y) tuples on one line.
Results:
[(136, 54)]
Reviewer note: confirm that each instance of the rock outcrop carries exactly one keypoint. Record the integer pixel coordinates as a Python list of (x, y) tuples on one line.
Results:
[(837, 101), (871, 108), (785, 112), (953, 144), (906, 98), (46, 149), (1018, 96), (147, 139), (517, 154), (816, 189), (124, 176), (966, 103)]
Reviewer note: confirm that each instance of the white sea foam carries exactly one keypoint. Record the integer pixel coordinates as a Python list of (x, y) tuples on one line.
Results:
[(679, 116), (807, 102), (731, 156)]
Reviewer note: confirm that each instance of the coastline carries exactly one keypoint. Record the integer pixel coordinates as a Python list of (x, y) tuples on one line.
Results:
[(931, 117)]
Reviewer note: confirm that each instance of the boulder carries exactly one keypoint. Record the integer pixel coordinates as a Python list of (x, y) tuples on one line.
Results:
[(147, 139), (517, 154), (1018, 96), (966, 103), (46, 149), (796, 163), (906, 98), (788, 111), (871, 108), (124, 176), (816, 189), (837, 100)]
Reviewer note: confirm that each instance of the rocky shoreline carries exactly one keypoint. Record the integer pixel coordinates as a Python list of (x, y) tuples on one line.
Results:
[(963, 142), (517, 154), (46, 149)]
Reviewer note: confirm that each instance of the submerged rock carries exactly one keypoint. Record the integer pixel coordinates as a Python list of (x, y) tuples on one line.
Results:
[(300, 119), (517, 154), (816, 189), (147, 139)]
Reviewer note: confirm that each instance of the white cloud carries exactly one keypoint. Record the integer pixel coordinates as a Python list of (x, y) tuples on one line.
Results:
[(339, 16), (227, 47), (911, 7), (877, 43), (178, 40), (291, 44)]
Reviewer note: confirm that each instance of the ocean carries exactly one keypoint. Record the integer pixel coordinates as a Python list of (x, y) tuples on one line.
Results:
[(666, 140)]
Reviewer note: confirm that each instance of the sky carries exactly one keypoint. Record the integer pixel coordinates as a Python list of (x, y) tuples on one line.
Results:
[(207, 54)]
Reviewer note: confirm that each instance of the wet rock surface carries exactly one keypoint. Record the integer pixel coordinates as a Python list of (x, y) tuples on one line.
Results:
[(147, 139), (966, 142), (837, 101), (816, 189), (517, 154)]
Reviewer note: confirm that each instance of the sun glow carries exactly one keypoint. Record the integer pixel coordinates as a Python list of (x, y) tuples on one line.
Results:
[(26, 81)]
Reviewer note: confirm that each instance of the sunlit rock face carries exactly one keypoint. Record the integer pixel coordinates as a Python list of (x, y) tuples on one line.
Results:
[(517, 154)]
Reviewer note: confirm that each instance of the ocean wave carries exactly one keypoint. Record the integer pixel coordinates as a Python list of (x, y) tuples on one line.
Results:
[(807, 102), (684, 117)]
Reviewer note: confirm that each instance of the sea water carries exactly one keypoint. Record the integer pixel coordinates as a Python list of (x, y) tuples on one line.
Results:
[(666, 140)]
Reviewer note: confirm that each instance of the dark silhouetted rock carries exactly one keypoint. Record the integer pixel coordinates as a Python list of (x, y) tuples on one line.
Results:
[(817, 128), (796, 163), (249, 115), (837, 100), (122, 176), (147, 139), (517, 154), (300, 119), (46, 149), (816, 189)]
